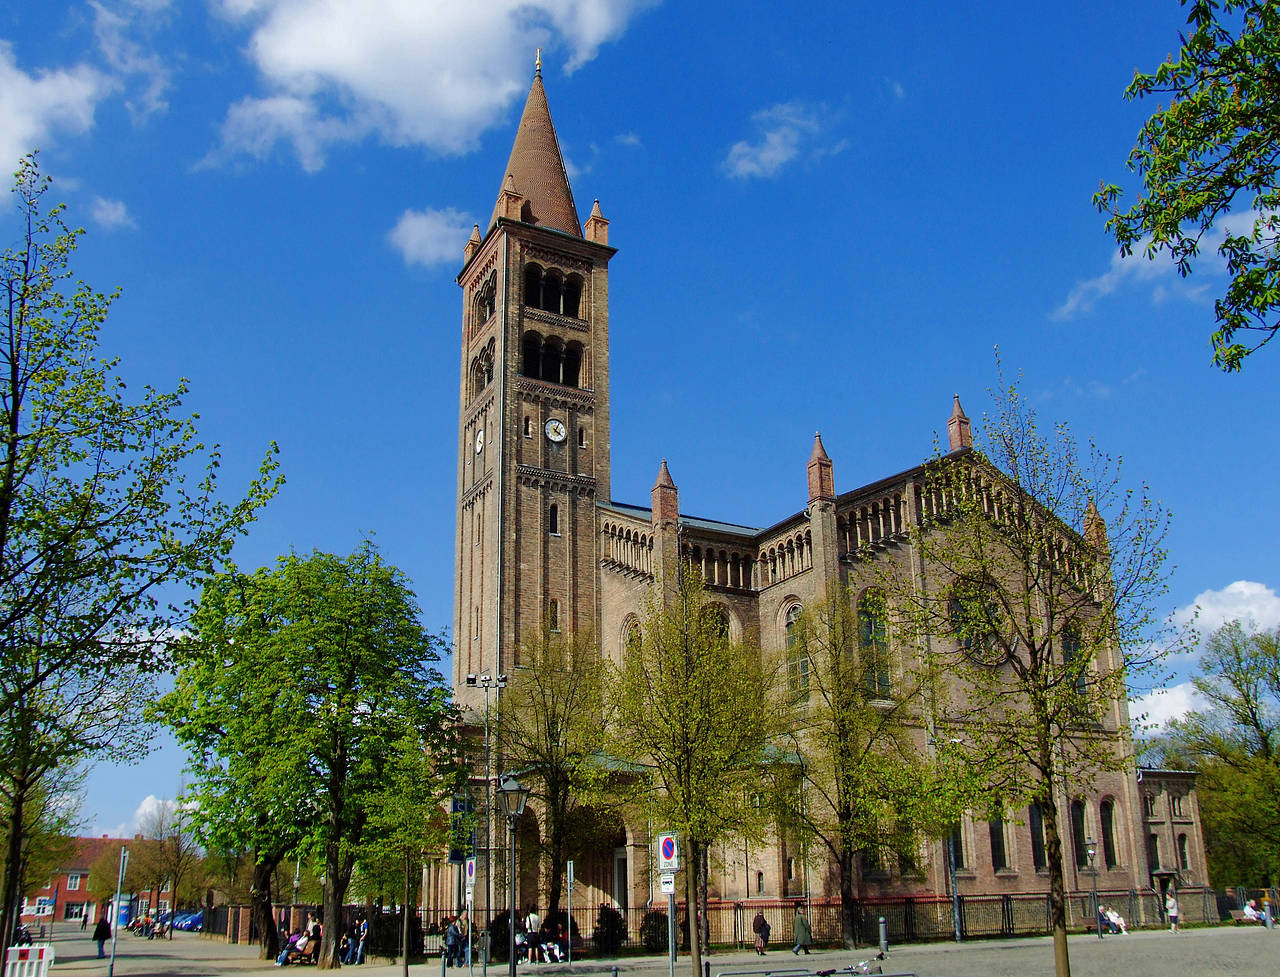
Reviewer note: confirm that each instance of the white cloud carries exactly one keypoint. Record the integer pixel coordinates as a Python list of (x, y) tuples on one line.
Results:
[(35, 106), (1158, 706), (783, 130), (1253, 604), (1160, 272), (431, 237), (149, 808), (110, 215), (627, 139), (121, 28), (411, 73), (898, 91)]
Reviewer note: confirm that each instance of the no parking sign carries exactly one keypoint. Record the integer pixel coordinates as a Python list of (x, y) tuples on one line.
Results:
[(668, 852), (471, 872)]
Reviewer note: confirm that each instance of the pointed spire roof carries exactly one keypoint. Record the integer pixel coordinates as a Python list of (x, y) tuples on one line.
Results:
[(819, 452), (536, 168), (664, 477), (959, 431)]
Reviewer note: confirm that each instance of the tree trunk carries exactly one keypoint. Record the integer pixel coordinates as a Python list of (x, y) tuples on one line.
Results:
[(13, 865), (704, 927), (1057, 887), (260, 909), (691, 905), (335, 891), (404, 929), (556, 828), (848, 902)]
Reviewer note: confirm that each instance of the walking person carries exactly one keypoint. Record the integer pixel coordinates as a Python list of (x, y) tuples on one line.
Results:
[(84, 921), (802, 931), (1171, 910), (102, 933), (760, 926)]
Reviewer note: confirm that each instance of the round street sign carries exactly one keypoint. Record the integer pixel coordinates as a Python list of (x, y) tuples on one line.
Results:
[(471, 871), (668, 853)]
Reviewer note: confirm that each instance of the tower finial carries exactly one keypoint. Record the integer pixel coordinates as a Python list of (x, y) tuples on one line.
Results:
[(537, 63)]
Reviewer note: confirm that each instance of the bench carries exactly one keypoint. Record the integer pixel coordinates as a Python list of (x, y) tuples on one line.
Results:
[(1238, 917), (310, 955)]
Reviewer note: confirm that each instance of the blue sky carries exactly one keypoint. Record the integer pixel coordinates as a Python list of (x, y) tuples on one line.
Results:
[(828, 216)]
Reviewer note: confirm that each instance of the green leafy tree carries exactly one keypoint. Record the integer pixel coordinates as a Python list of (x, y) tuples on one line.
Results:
[(860, 783), (106, 499), (295, 684), (551, 727), (175, 851), (407, 822), (1234, 745), (694, 707), (104, 873), (1035, 609), (1210, 160)]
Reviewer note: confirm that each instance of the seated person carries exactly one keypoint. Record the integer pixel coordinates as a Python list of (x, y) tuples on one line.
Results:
[(1251, 911), (1116, 921), (298, 946)]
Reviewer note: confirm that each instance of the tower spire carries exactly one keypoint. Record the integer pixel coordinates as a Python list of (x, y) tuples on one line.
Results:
[(535, 172), (537, 64)]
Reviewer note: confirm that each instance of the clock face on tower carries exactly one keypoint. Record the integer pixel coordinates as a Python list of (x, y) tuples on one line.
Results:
[(555, 430), (480, 441)]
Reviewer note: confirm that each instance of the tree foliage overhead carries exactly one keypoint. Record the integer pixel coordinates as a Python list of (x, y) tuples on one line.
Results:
[(861, 785), (551, 726), (108, 506), (1234, 745), (295, 689), (1211, 159), (1039, 571), (694, 706)]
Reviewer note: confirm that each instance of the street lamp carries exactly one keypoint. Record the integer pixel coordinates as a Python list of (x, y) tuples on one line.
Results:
[(512, 796), (486, 682), (1092, 850)]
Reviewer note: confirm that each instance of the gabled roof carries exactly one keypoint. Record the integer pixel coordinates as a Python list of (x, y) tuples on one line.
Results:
[(537, 168)]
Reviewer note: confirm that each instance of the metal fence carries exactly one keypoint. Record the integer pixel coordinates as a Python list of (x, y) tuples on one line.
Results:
[(606, 931)]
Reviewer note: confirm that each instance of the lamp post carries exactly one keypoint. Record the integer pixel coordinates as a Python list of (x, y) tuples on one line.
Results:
[(512, 796), (1092, 849), (487, 682)]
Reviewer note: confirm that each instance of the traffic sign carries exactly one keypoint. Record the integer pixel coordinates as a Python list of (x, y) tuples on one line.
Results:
[(668, 882), (569, 868), (471, 872), (668, 853)]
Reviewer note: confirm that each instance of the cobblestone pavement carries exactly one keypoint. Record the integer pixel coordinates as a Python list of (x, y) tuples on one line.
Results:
[(1207, 952)]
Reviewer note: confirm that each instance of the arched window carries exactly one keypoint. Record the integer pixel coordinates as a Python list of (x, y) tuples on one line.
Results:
[(1035, 820), (955, 846), (1184, 854), (999, 860), (1074, 664), (973, 622), (716, 621), (634, 638), (759, 883), (1153, 852), (552, 287), (533, 285), (553, 520), (528, 427), (873, 644), (571, 370), (531, 355), (572, 298), (582, 437), (553, 615), (1107, 814), (1077, 834), (552, 359), (797, 657)]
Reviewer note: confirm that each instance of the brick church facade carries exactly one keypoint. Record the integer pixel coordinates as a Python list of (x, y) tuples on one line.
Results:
[(540, 538)]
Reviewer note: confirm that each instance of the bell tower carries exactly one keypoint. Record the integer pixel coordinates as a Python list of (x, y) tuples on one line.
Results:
[(533, 424)]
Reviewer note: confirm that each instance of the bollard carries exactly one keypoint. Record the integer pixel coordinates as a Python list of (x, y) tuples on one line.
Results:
[(884, 936), (444, 961), (706, 968)]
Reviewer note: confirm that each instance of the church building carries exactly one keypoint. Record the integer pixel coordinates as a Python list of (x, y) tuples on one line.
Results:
[(541, 538)]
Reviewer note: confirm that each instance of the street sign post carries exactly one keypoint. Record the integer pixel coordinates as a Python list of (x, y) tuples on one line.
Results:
[(668, 881), (569, 935)]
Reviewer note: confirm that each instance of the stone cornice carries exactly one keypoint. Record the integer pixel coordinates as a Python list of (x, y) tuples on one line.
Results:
[(556, 319), (555, 395), (535, 477), (469, 496)]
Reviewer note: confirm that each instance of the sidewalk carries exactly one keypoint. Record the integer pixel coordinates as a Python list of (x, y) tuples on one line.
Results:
[(1208, 952)]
